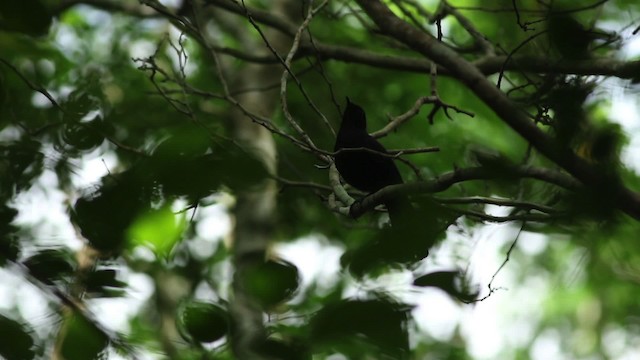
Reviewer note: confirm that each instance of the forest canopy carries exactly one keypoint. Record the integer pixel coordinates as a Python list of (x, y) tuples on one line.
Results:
[(180, 155)]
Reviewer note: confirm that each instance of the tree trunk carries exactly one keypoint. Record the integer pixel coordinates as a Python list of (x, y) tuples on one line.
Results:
[(255, 208)]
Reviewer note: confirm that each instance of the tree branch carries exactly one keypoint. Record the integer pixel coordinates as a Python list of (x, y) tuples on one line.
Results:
[(525, 205), (487, 65), (443, 182), (517, 119)]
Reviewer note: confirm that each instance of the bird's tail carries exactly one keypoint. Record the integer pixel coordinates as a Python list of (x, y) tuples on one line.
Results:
[(400, 212), (420, 227)]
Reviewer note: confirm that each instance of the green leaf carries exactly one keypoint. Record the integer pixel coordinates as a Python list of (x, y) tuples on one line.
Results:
[(568, 36), (105, 216), (9, 246), (16, 341), (51, 264), (103, 283), (272, 282), (27, 16), (82, 339), (380, 322), (160, 230), (20, 163), (202, 322), (452, 282), (83, 135), (291, 350)]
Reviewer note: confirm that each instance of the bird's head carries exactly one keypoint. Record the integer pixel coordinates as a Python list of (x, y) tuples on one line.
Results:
[(354, 116)]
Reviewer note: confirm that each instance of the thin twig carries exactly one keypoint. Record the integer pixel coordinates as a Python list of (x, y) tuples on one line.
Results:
[(32, 85), (297, 36), (504, 263), (285, 76), (496, 201)]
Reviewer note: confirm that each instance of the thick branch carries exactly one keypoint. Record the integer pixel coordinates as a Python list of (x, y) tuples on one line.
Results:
[(473, 78), (443, 182), (487, 65)]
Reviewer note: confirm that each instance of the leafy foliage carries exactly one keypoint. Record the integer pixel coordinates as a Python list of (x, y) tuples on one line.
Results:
[(379, 322), (153, 93), (203, 322), (17, 341)]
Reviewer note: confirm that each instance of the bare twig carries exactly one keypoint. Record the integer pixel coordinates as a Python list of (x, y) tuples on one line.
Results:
[(78, 307), (303, 184), (479, 39), (286, 63), (342, 194), (32, 85), (285, 76), (445, 181), (496, 201), (502, 219), (390, 153), (504, 263)]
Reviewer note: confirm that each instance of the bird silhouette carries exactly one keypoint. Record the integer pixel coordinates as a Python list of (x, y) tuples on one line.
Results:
[(414, 230), (365, 170)]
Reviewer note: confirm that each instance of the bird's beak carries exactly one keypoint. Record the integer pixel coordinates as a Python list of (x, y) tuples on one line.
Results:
[(348, 100)]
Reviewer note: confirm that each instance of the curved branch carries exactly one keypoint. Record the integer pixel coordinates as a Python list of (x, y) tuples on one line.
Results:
[(475, 80), (481, 216), (525, 205), (445, 181), (487, 65)]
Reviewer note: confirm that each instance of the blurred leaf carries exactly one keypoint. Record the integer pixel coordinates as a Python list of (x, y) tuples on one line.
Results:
[(105, 216), (421, 227), (190, 163), (81, 339), (9, 246), (184, 142), (568, 36), (567, 99), (103, 283), (20, 164), (27, 16), (21, 46), (3, 93), (51, 264), (272, 282), (604, 145), (202, 321), (16, 341), (238, 168), (380, 322), (83, 135), (291, 350), (160, 230), (451, 282), (79, 103), (195, 177)]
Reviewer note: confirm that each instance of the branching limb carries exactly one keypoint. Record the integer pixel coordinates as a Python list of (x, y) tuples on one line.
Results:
[(390, 154), (504, 263), (79, 308), (510, 113), (487, 65), (227, 96), (288, 72), (525, 205), (401, 119), (32, 85), (444, 181), (479, 39), (302, 184), (340, 192), (482, 216)]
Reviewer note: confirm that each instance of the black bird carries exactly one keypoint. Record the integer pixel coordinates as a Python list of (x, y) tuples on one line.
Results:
[(414, 230), (365, 170)]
